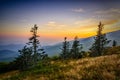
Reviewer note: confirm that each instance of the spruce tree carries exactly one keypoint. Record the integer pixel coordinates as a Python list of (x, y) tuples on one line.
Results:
[(38, 52), (100, 43), (65, 49), (31, 53), (24, 60), (76, 48), (114, 43)]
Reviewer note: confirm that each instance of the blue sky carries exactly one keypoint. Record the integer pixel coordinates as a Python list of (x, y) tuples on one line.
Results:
[(56, 19)]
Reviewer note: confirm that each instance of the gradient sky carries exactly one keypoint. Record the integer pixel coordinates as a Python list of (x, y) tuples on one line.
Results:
[(56, 19)]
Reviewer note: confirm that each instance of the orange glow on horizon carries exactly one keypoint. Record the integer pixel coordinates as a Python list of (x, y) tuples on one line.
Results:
[(53, 35), (59, 32)]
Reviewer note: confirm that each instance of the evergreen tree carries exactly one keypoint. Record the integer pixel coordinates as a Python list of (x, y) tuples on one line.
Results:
[(31, 53), (38, 53), (24, 60), (76, 49), (65, 49), (100, 42), (114, 43)]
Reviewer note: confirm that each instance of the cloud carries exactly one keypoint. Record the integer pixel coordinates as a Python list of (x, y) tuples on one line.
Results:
[(23, 20), (90, 25), (109, 22), (78, 10), (83, 27), (85, 22), (112, 13), (111, 10), (51, 23), (54, 24)]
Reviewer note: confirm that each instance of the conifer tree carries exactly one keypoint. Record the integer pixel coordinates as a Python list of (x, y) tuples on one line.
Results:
[(76, 49), (114, 43), (65, 49), (24, 60), (38, 53), (31, 53), (100, 43)]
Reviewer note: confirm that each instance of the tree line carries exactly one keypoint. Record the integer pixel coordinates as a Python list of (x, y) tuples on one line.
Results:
[(97, 49)]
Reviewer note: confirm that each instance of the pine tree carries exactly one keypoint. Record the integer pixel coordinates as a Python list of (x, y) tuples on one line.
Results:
[(31, 53), (65, 49), (38, 53), (114, 43), (100, 43), (76, 49), (24, 60)]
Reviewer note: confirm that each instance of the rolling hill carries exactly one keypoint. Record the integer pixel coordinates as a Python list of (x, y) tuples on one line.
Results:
[(12, 47), (91, 68), (7, 55)]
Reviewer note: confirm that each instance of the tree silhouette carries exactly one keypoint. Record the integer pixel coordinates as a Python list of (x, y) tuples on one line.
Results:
[(24, 60), (76, 49), (38, 53), (31, 53), (114, 43), (100, 42), (65, 49)]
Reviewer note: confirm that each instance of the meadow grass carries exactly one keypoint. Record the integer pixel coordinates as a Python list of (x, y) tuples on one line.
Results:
[(91, 68)]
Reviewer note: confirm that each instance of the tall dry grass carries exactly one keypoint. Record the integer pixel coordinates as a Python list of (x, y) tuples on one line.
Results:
[(96, 68)]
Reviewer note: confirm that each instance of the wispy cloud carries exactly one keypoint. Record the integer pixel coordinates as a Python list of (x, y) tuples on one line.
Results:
[(109, 22), (51, 23), (55, 24), (111, 10), (78, 10), (85, 22), (23, 20), (112, 13)]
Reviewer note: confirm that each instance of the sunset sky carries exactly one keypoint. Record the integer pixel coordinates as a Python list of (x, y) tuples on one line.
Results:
[(56, 19)]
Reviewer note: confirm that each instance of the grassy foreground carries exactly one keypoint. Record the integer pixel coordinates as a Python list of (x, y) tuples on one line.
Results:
[(96, 68)]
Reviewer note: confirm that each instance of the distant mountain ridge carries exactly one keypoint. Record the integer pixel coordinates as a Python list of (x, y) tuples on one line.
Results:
[(87, 43), (12, 47), (9, 52), (7, 55)]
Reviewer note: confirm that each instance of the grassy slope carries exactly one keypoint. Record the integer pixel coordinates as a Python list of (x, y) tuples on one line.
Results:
[(98, 68)]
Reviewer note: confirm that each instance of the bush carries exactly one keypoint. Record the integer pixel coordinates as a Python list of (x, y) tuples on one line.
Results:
[(5, 67), (55, 58), (112, 50)]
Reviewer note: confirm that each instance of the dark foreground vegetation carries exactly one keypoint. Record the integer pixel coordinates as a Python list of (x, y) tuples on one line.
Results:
[(99, 63)]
